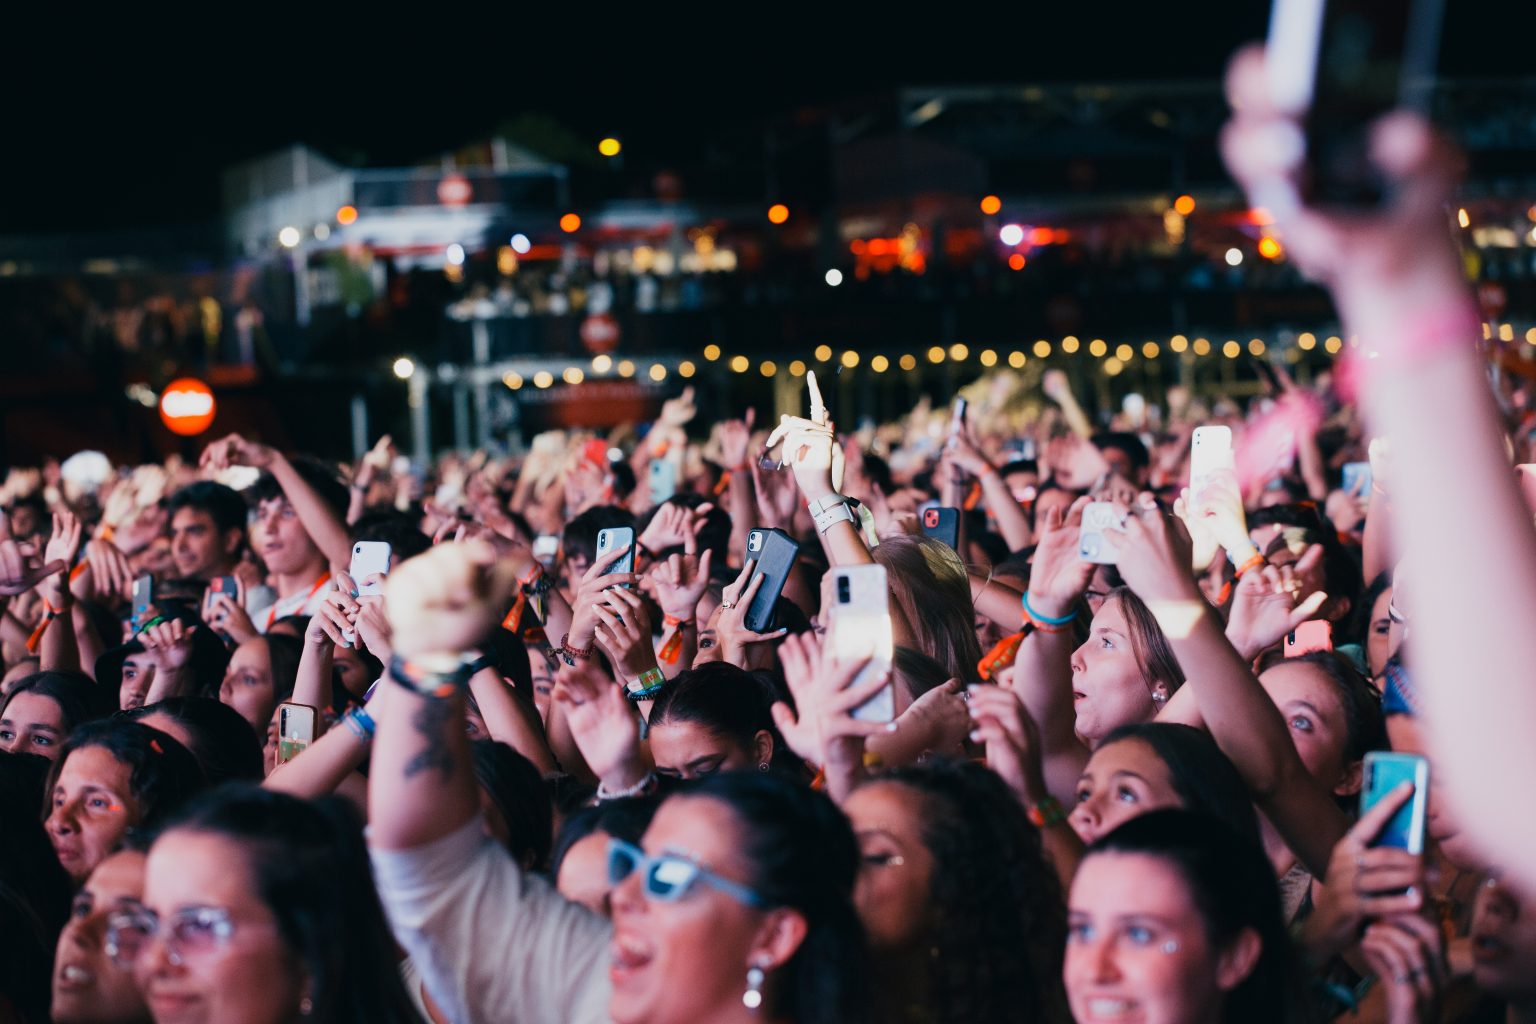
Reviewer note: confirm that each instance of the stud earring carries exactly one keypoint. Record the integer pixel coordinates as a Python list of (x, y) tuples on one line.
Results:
[(306, 1006), (762, 766), (753, 997), (1170, 947)]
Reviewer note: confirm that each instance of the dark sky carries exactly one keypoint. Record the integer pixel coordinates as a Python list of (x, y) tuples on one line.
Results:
[(114, 120)]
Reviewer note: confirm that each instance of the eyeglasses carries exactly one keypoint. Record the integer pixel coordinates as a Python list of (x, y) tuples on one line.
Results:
[(189, 933), (668, 877)]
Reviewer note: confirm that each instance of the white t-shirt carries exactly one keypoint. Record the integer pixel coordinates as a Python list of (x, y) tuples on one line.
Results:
[(305, 602), (492, 943)]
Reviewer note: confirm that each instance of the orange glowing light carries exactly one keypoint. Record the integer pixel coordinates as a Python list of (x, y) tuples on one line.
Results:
[(879, 247), (778, 213), (1016, 261), (990, 205), (1039, 236), (187, 406), (346, 215), (1184, 205), (570, 223), (1269, 248), (859, 246)]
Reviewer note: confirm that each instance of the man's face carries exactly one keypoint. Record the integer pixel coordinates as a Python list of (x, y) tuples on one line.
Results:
[(279, 538), (198, 547)]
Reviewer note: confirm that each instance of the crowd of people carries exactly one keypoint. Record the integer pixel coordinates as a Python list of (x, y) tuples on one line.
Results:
[(553, 778)]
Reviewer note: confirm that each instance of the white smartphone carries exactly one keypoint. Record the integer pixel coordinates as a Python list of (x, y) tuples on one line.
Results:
[(1098, 517), (1210, 451), (295, 730), (663, 480), (369, 557), (858, 627)]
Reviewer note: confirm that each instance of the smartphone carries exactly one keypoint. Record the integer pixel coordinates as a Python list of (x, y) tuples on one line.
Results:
[(1098, 517), (942, 522), (1135, 408), (663, 480), (957, 416), (1313, 635), (618, 538), (225, 585), (859, 626), (1357, 479), (1210, 451), (773, 553), (369, 557), (1341, 65), (595, 451), (143, 597), (546, 548), (1384, 771), (295, 730)]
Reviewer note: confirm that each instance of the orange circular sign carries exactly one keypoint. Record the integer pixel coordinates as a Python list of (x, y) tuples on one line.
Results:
[(187, 406)]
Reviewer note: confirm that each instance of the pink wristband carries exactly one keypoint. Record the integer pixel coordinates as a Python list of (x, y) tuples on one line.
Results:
[(1454, 328)]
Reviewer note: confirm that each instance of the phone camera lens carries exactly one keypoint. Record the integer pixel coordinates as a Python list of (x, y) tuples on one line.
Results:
[(843, 593)]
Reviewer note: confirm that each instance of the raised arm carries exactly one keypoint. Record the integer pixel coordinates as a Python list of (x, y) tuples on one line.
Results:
[(1154, 558), (1398, 284), (422, 782), (319, 520)]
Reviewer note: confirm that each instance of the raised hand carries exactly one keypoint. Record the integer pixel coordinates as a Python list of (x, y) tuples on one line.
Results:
[(446, 600), (21, 569), (235, 450), (1365, 881), (810, 448), (108, 576), (681, 580), (677, 412), (624, 629), (673, 525), (1271, 601), (1407, 954), (731, 625), (1154, 552), (226, 615), (1074, 462), (63, 545), (1057, 577), (820, 727), (603, 723), (589, 593), (775, 497), (736, 441), (1011, 738)]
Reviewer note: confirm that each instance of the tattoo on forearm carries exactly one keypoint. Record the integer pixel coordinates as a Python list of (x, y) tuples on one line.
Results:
[(429, 722)]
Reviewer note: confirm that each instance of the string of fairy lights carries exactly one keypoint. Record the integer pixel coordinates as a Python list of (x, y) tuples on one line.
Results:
[(1114, 358)]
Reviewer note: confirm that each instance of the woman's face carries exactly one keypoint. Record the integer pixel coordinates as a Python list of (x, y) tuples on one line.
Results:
[(247, 976), (896, 867), (686, 961), (87, 986), (32, 724), (138, 673), (543, 680), (583, 874), (1504, 943), (709, 639), (1121, 781), (1310, 704), (1381, 638), (93, 806), (248, 683), (1137, 949), (1108, 688), (688, 750), (352, 672)]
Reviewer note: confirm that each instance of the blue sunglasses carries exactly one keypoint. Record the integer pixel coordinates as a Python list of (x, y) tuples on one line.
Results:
[(668, 877)]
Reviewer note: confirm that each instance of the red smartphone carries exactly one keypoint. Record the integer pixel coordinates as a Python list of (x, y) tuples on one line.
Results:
[(1316, 635), (595, 451)]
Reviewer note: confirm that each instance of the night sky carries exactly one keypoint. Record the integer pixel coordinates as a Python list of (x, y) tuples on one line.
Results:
[(113, 121)]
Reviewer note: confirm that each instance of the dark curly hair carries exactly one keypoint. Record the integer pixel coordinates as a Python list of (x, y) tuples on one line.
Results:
[(999, 918)]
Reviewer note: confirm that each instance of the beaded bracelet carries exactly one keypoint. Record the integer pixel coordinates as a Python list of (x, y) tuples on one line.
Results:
[(604, 793), (570, 654)]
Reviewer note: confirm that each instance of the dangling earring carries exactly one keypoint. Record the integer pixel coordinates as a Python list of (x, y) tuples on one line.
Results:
[(306, 1006), (762, 766), (753, 997)]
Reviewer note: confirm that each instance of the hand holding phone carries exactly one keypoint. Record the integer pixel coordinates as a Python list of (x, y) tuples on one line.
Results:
[(859, 627), (1098, 518), (1384, 771), (295, 730), (1312, 635), (618, 538)]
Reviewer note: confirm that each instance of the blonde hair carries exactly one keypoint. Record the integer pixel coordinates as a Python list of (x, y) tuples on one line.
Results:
[(930, 586)]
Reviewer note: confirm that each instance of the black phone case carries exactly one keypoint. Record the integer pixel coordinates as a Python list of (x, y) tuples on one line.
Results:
[(774, 561), (947, 527)]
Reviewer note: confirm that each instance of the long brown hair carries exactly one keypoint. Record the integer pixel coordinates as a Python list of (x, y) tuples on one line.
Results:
[(1154, 658), (930, 586)]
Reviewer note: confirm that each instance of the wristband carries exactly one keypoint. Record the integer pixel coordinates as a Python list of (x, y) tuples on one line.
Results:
[(430, 682), (830, 511), (1455, 328), (1000, 656), (1253, 562), (604, 793), (650, 682), (672, 620), (361, 723), (1046, 813), (1043, 621), (571, 654)]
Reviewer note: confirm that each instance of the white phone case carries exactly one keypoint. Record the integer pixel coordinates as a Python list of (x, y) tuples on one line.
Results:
[(859, 626), (1210, 450)]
